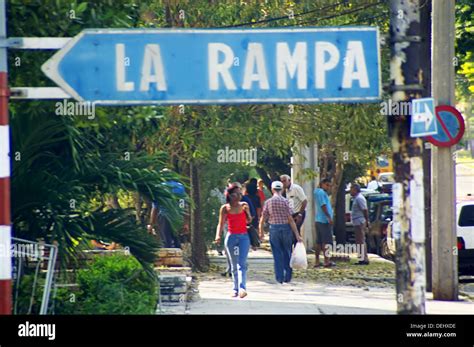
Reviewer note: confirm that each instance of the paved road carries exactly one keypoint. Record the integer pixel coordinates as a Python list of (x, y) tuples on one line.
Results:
[(464, 180)]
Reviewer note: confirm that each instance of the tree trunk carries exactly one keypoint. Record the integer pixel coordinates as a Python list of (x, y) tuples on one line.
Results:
[(112, 201), (337, 179), (338, 201), (137, 201), (324, 164), (264, 176), (198, 246), (340, 212)]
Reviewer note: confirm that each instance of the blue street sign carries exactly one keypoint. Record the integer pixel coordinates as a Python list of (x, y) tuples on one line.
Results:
[(423, 119), (203, 66)]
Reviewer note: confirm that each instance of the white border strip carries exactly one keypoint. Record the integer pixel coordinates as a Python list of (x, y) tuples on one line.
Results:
[(233, 101), (225, 31), (5, 253), (4, 151), (40, 42)]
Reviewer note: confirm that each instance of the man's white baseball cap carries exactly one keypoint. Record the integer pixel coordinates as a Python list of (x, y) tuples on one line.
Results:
[(277, 185)]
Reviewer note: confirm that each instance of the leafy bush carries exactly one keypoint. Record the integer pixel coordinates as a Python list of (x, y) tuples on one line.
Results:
[(110, 285)]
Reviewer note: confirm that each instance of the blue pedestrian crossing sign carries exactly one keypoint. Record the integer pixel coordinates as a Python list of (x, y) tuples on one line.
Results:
[(423, 119)]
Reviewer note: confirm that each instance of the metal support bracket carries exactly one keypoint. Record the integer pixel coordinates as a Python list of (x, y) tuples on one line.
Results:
[(414, 38), (406, 87), (13, 42), (34, 42)]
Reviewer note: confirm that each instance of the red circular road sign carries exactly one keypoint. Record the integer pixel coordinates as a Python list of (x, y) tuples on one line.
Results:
[(450, 127)]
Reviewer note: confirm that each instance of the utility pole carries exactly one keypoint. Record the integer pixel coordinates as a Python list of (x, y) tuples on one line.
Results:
[(304, 158), (406, 79), (445, 265), (425, 53), (5, 223)]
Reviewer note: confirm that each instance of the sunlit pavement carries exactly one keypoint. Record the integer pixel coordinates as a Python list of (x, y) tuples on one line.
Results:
[(465, 179), (265, 296)]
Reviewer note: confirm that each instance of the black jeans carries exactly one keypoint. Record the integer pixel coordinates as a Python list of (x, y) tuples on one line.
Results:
[(298, 226)]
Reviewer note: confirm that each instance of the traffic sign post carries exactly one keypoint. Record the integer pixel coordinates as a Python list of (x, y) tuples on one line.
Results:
[(451, 127), (189, 66), (5, 214), (423, 119)]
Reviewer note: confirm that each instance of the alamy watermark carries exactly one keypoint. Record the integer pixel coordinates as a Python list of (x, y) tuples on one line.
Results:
[(74, 108), (339, 249), (22, 250), (395, 108), (228, 155)]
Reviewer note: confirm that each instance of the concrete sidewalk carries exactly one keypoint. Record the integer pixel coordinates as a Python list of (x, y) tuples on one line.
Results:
[(265, 296)]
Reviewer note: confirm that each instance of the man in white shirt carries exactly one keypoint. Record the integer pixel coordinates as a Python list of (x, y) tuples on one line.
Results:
[(373, 184), (297, 199)]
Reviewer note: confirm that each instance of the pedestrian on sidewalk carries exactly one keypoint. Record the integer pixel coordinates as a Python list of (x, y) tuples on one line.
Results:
[(360, 220), (278, 213), (260, 192), (324, 222), (159, 218), (374, 184), (297, 200), (251, 192), (253, 213), (237, 241)]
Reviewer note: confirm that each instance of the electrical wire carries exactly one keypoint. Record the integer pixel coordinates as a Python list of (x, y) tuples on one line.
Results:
[(367, 19), (358, 9), (268, 20)]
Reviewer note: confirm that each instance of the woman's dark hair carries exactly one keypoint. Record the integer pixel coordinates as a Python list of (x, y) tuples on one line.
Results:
[(230, 191), (325, 180), (251, 187)]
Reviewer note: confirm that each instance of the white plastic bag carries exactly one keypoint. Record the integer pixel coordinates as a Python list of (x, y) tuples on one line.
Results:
[(298, 257)]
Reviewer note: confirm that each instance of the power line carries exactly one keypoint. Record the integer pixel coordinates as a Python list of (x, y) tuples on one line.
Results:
[(367, 19), (358, 9), (268, 20)]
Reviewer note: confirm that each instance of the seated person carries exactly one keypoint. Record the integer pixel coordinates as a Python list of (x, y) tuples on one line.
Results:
[(103, 246)]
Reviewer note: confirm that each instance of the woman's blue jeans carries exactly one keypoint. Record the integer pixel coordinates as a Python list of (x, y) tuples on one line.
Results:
[(237, 246)]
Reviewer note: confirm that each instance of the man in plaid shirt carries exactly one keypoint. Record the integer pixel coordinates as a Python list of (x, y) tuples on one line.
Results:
[(277, 212)]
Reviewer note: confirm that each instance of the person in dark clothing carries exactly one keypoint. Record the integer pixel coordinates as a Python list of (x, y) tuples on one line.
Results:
[(251, 191), (158, 218)]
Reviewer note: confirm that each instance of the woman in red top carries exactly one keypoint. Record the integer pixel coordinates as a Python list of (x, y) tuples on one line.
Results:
[(260, 192), (237, 242)]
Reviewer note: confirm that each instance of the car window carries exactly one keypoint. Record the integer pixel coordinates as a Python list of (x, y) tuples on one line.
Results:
[(387, 178), (466, 217), (387, 212)]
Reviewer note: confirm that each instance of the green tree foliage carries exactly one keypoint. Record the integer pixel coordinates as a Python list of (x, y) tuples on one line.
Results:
[(464, 47), (65, 166), (192, 136)]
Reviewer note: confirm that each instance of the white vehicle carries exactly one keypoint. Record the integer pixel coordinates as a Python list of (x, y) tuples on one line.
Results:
[(465, 234), (386, 177)]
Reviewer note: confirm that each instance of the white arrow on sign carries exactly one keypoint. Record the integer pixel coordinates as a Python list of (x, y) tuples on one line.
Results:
[(426, 116)]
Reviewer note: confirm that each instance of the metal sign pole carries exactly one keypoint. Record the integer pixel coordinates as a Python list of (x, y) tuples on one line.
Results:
[(5, 223)]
